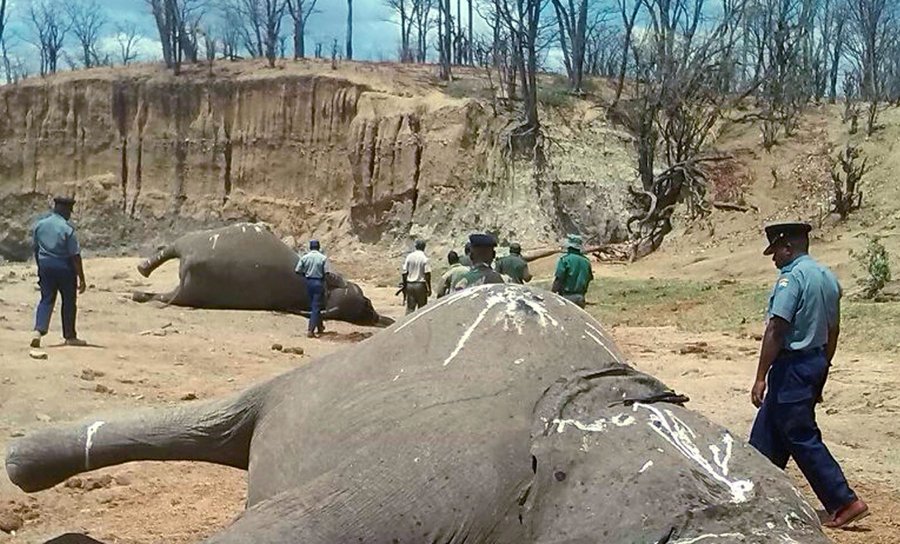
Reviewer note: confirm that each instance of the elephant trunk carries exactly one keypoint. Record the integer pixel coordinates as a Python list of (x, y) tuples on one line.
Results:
[(167, 253), (217, 432)]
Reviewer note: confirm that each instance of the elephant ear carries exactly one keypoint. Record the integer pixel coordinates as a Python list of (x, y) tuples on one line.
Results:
[(333, 280)]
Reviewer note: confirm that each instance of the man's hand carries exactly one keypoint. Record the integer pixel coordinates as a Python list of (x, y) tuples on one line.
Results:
[(82, 286), (758, 392)]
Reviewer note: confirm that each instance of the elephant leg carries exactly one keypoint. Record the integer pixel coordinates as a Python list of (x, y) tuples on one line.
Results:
[(168, 298), (167, 253), (217, 432)]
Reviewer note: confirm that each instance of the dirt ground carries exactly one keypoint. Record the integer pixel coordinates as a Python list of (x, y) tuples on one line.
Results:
[(145, 355)]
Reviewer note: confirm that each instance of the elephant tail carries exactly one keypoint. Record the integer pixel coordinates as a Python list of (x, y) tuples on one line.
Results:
[(165, 254), (216, 432)]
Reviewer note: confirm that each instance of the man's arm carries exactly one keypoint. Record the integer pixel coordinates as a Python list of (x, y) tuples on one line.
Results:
[(559, 277), (79, 269), (772, 343), (445, 284), (834, 332), (526, 274), (75, 251)]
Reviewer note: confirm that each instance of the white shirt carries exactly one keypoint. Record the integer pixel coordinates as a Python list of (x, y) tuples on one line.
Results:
[(416, 266)]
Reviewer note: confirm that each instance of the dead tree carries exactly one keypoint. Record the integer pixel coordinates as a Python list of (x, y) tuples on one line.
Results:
[(629, 17), (404, 10), (127, 38), (782, 32), (87, 21), (349, 45), (230, 34), (50, 28), (300, 12), (177, 22), (572, 18), (421, 19), (871, 28), (445, 49), (675, 103), (846, 174)]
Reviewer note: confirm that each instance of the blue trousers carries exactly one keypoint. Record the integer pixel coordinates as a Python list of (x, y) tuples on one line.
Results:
[(785, 426), (315, 289), (56, 276)]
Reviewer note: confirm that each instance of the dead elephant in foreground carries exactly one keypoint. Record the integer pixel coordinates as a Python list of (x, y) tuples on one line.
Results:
[(514, 421)]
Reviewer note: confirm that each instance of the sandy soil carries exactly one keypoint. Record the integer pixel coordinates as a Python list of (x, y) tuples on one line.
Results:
[(144, 355)]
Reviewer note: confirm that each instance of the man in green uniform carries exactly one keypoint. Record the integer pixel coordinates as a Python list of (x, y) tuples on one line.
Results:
[(482, 254), (453, 275), (513, 265), (573, 272), (804, 316)]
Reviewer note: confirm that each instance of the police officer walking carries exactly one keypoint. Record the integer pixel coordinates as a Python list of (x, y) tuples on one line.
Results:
[(416, 278), (799, 343), (482, 255), (513, 265), (312, 266), (573, 272), (60, 270)]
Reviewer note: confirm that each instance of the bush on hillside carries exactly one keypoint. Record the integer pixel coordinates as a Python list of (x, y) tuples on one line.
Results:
[(876, 266), (847, 173)]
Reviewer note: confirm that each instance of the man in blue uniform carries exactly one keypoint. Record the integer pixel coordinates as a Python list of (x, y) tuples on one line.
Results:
[(58, 258), (799, 343), (312, 266)]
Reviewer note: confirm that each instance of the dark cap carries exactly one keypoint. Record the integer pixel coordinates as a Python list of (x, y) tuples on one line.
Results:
[(482, 240), (314, 244), (63, 201), (515, 248), (779, 231)]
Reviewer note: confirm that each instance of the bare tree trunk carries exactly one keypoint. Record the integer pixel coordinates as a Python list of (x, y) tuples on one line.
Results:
[(629, 27), (446, 49), (471, 58), (349, 29), (836, 56)]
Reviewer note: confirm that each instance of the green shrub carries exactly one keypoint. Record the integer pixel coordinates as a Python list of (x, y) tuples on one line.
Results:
[(876, 266)]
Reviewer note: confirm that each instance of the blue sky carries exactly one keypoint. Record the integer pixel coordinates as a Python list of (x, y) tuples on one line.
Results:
[(375, 36)]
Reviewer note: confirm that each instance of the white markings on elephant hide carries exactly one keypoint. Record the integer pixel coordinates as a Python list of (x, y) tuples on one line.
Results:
[(622, 420), (519, 305), (720, 459), (598, 426), (214, 239), (680, 436), (89, 442), (468, 332), (472, 292), (518, 361), (710, 536), (596, 338), (646, 466), (807, 509)]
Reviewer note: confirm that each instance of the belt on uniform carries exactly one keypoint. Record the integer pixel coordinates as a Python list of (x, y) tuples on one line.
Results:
[(796, 354), (414, 282)]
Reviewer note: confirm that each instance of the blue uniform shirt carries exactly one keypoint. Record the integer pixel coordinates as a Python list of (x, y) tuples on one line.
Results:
[(312, 265), (806, 295), (54, 238)]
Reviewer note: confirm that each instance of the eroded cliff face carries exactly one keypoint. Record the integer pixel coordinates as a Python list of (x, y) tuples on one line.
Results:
[(310, 154)]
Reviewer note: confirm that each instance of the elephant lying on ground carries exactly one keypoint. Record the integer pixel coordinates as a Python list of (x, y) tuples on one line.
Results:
[(500, 414), (246, 267)]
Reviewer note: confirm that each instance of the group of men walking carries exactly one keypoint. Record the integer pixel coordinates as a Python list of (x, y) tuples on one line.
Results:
[(802, 330), (572, 279)]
